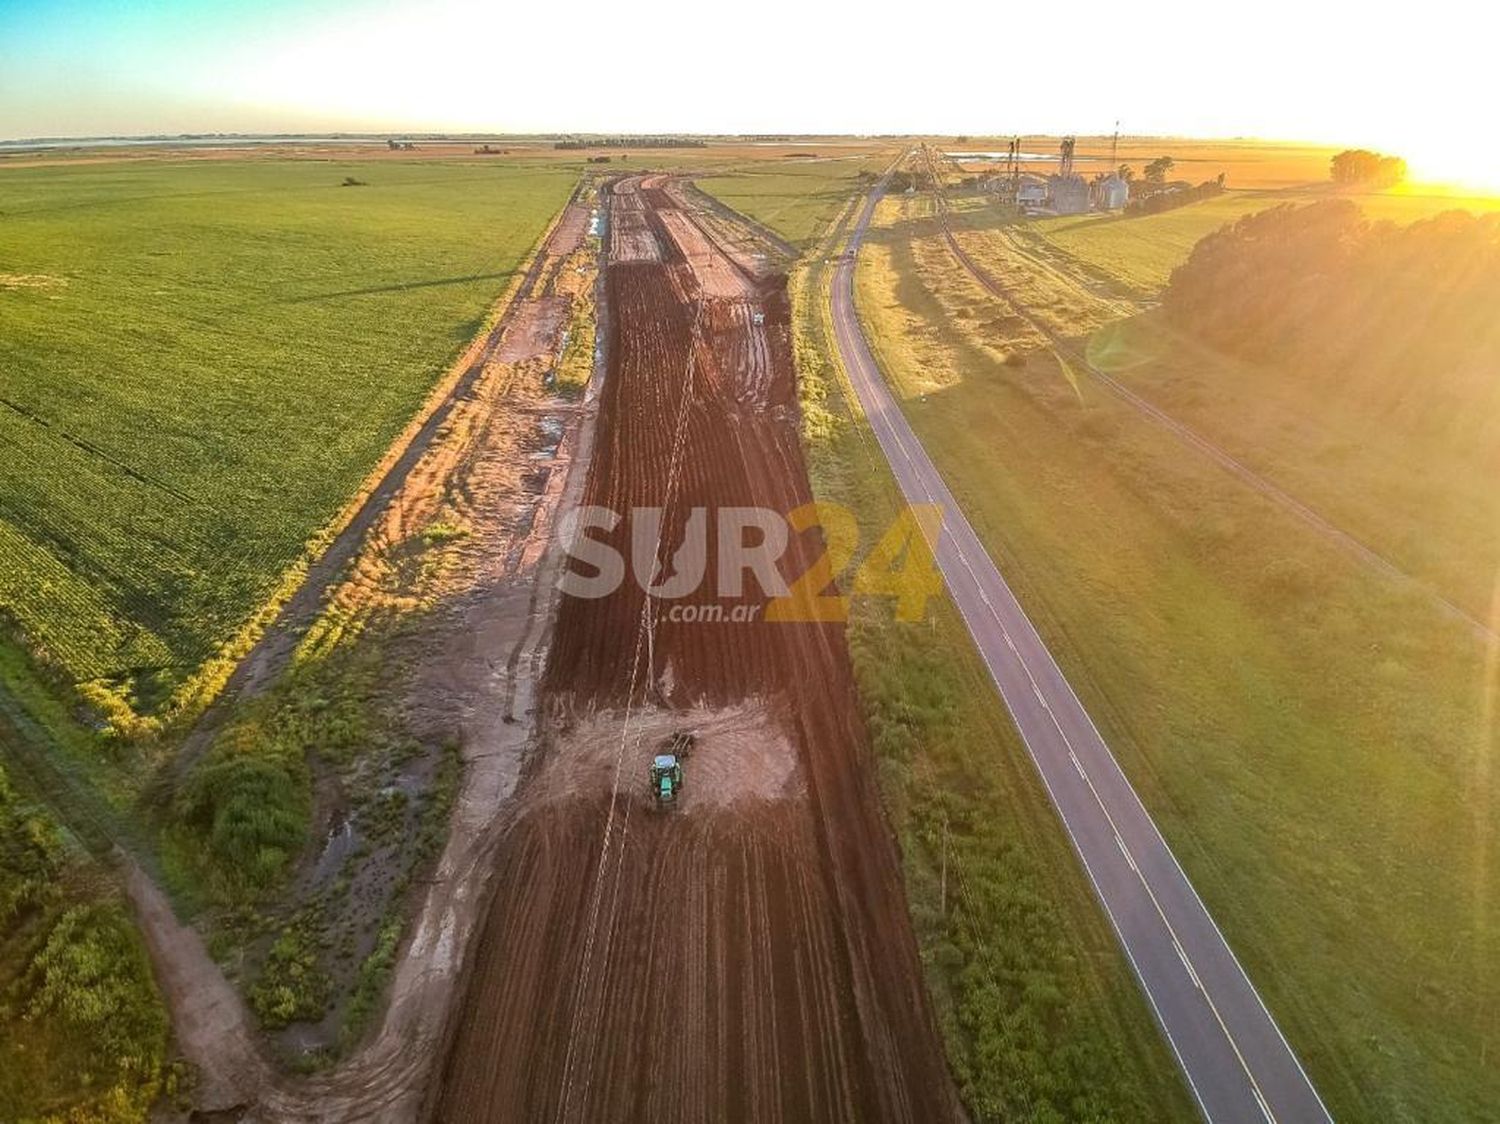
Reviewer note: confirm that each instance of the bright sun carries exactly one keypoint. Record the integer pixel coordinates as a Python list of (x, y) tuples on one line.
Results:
[(1461, 163)]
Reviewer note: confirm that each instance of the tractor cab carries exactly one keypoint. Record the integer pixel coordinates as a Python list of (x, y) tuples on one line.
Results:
[(666, 779)]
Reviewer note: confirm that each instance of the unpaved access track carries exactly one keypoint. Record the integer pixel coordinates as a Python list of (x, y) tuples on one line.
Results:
[(747, 955)]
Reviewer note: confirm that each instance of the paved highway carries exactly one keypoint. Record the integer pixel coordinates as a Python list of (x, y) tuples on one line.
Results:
[(1237, 1063)]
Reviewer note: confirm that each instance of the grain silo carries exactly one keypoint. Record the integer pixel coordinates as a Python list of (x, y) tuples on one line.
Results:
[(1114, 192), (1068, 195)]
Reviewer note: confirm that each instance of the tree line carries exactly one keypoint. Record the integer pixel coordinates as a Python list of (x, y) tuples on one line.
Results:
[(1400, 318), (1370, 169)]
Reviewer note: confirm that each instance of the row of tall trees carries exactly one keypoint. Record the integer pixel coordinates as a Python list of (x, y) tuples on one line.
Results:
[(1153, 203), (1156, 171), (1401, 318), (1366, 168)]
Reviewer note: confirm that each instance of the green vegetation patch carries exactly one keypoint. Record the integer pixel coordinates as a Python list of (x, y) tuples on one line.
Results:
[(1141, 252), (221, 353), (798, 198), (83, 1034)]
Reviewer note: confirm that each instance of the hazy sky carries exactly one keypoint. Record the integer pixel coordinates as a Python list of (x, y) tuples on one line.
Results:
[(1409, 78)]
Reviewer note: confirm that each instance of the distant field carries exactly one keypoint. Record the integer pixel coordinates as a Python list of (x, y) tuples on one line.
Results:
[(1314, 738), (1252, 164), (1142, 252), (199, 363), (796, 198)]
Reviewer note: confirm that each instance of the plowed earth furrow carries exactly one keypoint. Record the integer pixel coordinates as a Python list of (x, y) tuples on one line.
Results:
[(748, 955)]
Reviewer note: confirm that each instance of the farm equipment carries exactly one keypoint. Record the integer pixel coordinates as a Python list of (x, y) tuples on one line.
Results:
[(666, 769), (666, 779)]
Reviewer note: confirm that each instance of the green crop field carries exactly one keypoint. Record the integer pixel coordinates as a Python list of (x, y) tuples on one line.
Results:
[(797, 199), (1311, 736), (199, 363)]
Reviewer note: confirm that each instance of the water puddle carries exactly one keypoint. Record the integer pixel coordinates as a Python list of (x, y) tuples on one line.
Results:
[(551, 437)]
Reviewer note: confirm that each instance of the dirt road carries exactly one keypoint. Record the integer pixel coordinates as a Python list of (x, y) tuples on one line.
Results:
[(747, 956)]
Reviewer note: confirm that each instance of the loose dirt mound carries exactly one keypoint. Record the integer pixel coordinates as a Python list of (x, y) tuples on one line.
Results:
[(743, 958), (740, 757)]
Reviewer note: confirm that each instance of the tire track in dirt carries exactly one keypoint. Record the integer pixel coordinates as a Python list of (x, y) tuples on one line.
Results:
[(747, 956)]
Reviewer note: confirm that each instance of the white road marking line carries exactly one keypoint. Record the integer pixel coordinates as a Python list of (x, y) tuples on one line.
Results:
[(1188, 964)]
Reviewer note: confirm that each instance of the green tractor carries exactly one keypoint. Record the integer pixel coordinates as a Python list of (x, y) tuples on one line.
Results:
[(666, 769), (666, 779)]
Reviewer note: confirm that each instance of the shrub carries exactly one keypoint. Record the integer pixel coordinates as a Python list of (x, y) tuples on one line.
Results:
[(92, 976), (292, 986), (249, 803), (30, 852)]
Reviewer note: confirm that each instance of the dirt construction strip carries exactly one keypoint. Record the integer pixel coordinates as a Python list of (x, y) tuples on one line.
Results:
[(1237, 1063), (746, 955)]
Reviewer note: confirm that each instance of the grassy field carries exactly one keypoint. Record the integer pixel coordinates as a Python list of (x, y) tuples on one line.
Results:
[(1142, 252), (1421, 497), (798, 199), (1040, 1011), (199, 363), (1315, 740)]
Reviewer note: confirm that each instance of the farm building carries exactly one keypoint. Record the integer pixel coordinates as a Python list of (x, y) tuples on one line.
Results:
[(1032, 192), (1113, 193), (1069, 195)]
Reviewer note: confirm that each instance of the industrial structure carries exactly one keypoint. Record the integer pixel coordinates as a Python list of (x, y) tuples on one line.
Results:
[(1112, 191), (1067, 192)]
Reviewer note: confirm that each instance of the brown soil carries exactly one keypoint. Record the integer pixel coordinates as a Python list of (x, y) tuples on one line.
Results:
[(748, 955), (538, 324), (570, 232)]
